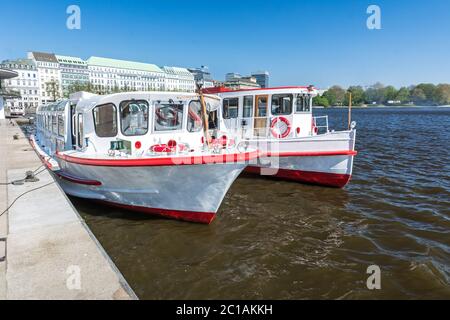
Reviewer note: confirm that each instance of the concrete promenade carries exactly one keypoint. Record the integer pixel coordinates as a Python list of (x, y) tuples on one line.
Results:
[(46, 250)]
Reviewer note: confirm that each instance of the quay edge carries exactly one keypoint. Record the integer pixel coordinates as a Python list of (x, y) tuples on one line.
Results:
[(49, 252)]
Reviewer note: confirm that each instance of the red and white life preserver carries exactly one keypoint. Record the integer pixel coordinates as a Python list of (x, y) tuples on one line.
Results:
[(280, 127)]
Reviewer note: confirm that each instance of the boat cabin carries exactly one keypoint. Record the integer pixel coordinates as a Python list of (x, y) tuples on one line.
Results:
[(273, 113), (128, 123)]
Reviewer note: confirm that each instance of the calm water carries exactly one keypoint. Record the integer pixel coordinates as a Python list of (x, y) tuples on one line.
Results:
[(282, 240)]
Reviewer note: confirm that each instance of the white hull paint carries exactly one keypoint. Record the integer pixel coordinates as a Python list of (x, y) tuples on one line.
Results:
[(187, 192), (325, 159)]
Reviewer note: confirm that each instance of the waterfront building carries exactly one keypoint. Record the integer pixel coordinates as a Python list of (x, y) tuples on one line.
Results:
[(178, 79), (74, 70), (110, 75), (25, 86), (231, 76), (203, 76), (262, 78), (242, 83), (49, 79)]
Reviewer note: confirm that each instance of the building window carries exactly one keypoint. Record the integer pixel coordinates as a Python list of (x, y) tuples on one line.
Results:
[(168, 116), (281, 104), (248, 107), (134, 117), (302, 103), (230, 108), (194, 123), (105, 120)]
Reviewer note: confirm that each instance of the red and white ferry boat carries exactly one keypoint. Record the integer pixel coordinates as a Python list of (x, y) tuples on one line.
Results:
[(140, 151), (279, 123)]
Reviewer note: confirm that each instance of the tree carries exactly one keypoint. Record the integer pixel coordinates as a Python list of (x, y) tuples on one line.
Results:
[(390, 93), (403, 95), (52, 88), (320, 101), (442, 94), (358, 97), (335, 95), (418, 96)]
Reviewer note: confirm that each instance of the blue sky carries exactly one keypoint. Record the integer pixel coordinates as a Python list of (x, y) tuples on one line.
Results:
[(298, 42)]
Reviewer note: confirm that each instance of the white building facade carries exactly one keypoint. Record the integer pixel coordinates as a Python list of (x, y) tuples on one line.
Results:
[(178, 79), (74, 71), (49, 73), (110, 75), (26, 85)]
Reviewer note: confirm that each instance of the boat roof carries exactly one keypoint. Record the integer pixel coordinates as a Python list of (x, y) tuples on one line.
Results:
[(260, 91), (85, 105)]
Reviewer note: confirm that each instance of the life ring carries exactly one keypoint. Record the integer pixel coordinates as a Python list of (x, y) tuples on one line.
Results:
[(280, 127), (314, 129)]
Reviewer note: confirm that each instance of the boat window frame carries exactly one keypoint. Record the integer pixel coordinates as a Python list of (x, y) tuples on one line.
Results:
[(115, 117), (309, 103), (187, 116), (58, 117), (223, 108), (252, 97), (164, 102), (282, 95), (148, 117)]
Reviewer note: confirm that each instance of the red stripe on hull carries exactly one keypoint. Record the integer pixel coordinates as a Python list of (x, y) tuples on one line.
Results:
[(163, 161), (309, 177), (191, 216), (73, 179)]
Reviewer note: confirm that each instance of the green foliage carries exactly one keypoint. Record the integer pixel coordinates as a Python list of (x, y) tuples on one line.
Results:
[(321, 101), (422, 94)]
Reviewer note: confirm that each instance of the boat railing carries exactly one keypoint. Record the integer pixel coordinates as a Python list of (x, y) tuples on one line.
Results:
[(321, 123)]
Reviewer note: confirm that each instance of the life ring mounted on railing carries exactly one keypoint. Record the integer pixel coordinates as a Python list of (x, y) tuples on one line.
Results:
[(280, 127)]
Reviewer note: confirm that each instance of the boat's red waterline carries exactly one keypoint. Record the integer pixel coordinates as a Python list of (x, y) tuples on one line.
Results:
[(310, 177), (191, 216)]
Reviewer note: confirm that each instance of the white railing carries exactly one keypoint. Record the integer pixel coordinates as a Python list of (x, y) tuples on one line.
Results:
[(321, 123)]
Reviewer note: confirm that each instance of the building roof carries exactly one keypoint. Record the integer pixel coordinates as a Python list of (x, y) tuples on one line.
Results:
[(45, 57), (71, 60), (20, 62), (123, 64), (177, 71)]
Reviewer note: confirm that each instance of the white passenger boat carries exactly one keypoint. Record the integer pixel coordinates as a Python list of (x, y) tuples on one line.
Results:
[(140, 151), (296, 145)]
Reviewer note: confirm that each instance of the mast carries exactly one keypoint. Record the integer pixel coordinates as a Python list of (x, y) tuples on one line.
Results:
[(204, 115)]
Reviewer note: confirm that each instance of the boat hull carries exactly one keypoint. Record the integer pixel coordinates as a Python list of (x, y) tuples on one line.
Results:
[(185, 192), (325, 159)]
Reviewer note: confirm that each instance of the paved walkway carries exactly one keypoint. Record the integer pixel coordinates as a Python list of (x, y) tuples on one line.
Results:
[(50, 252)]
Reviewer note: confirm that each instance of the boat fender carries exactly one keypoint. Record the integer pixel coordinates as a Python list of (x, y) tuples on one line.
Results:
[(274, 127)]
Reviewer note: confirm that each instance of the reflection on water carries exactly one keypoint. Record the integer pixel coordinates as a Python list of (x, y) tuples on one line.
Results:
[(282, 240)]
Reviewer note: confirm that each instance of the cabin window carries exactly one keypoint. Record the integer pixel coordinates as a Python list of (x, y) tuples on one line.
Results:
[(281, 104), (105, 120), (303, 103), (134, 117), (230, 108), (248, 107), (168, 116), (194, 123), (54, 125), (61, 128)]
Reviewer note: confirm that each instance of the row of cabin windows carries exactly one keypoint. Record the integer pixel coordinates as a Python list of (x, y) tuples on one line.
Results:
[(52, 123), (134, 118), (281, 105)]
